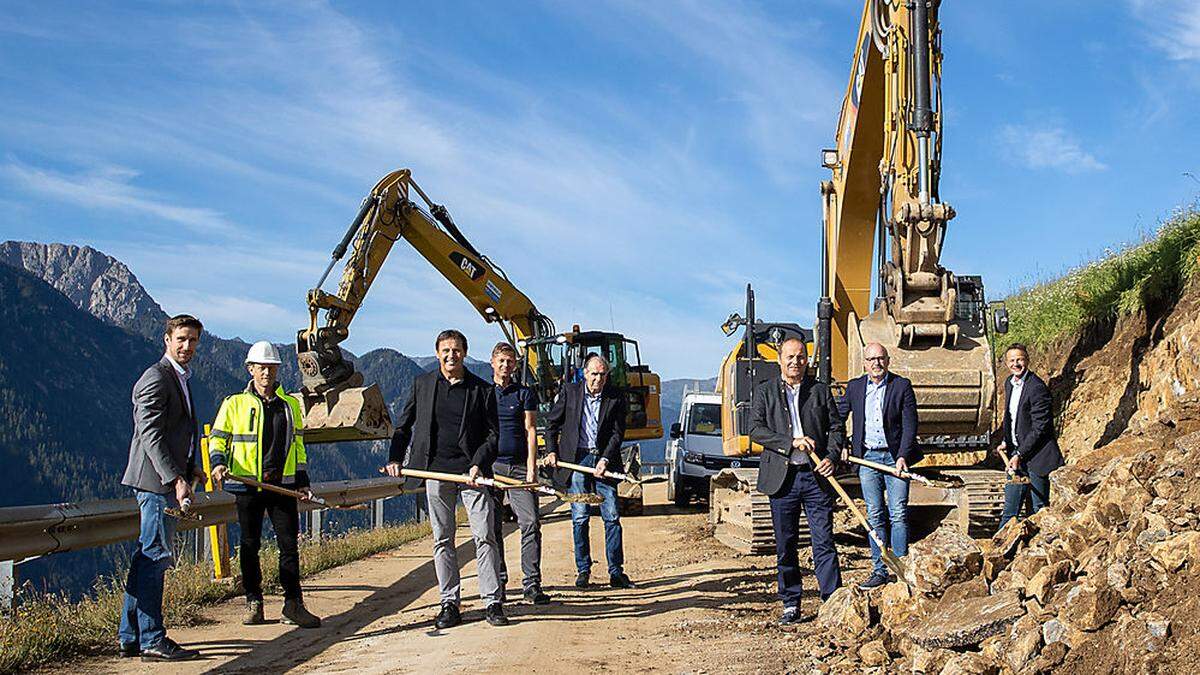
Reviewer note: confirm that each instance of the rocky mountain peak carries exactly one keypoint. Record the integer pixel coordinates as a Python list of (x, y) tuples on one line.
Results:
[(95, 282)]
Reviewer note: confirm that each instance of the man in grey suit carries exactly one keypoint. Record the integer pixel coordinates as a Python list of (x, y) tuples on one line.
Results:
[(162, 465)]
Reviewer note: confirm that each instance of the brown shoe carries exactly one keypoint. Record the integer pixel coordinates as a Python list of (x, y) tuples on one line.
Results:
[(294, 612), (254, 613)]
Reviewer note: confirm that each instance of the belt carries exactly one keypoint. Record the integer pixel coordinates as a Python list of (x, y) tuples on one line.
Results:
[(590, 451)]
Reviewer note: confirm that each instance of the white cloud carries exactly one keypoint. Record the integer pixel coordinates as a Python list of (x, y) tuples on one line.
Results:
[(243, 317), (110, 187), (1047, 148), (1171, 25)]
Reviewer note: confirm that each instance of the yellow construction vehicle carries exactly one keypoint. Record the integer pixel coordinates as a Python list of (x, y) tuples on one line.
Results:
[(884, 219), (337, 407)]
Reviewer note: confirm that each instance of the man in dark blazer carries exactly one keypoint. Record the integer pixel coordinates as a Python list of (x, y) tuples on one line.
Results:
[(161, 470), (1028, 434), (450, 421), (586, 426), (791, 417), (884, 431)]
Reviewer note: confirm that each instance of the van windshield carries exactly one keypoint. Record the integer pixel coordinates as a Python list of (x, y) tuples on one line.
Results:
[(704, 419)]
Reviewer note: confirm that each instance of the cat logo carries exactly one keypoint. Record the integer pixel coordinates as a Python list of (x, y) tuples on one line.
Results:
[(469, 267)]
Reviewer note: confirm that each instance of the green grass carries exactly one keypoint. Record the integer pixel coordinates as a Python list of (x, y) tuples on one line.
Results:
[(48, 628), (1122, 283)]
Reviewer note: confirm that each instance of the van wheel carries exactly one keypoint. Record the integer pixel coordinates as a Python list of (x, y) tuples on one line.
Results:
[(680, 497)]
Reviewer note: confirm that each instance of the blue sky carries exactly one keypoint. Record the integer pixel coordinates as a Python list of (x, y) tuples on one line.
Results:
[(628, 163)]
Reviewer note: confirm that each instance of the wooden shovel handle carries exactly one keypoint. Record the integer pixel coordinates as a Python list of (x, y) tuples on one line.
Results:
[(615, 475)]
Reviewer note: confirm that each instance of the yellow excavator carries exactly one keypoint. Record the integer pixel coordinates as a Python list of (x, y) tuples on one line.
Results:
[(337, 405), (884, 219)]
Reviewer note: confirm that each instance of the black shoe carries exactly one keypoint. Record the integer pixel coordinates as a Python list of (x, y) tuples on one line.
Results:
[(495, 614), (620, 581), (168, 650), (534, 595), (790, 616), (581, 580), (130, 650), (449, 617), (876, 580)]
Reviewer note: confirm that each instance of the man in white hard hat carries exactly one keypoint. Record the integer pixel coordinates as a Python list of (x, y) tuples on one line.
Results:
[(258, 435)]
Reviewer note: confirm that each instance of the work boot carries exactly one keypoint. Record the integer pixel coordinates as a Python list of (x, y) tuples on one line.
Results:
[(876, 580), (791, 615), (294, 612), (581, 580), (254, 613), (620, 580), (449, 617), (534, 595), (495, 614), (168, 650)]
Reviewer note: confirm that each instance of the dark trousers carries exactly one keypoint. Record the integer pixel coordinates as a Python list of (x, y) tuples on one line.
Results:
[(1034, 496), (804, 491), (286, 520), (524, 504)]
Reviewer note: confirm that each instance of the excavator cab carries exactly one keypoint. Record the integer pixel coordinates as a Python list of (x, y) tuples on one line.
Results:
[(566, 355)]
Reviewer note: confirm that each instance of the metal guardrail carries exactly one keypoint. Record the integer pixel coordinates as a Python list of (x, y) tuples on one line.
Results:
[(30, 531)]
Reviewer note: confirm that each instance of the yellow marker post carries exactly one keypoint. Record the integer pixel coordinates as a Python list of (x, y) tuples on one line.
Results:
[(218, 535)]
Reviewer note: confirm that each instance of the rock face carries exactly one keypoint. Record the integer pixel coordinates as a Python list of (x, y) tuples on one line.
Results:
[(846, 614), (96, 283), (964, 623)]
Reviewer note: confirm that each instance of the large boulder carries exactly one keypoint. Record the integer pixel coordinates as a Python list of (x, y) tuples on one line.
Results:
[(1041, 586), (846, 614), (1089, 607), (1173, 551), (944, 558), (967, 622)]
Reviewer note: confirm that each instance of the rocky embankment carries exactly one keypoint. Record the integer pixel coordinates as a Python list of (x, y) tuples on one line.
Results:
[(1107, 579)]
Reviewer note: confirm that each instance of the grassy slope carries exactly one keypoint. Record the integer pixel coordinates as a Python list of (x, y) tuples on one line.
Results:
[(1121, 284), (51, 629)]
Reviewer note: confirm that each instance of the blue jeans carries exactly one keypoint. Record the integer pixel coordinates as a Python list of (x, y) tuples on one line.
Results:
[(874, 484), (581, 514), (804, 491), (141, 617), (1035, 495)]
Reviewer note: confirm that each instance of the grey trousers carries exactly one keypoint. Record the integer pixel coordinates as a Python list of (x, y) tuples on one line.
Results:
[(525, 504), (442, 499)]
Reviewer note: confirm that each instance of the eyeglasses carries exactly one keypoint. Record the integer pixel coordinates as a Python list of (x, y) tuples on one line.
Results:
[(877, 359)]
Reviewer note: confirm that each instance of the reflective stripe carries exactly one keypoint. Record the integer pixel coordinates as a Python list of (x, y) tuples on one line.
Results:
[(216, 458), (218, 433), (302, 466), (245, 438)]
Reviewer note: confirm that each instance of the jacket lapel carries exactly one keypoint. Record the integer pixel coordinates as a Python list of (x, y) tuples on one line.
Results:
[(169, 370), (469, 400)]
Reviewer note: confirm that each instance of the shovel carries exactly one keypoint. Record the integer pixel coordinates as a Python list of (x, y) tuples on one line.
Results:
[(465, 480), (607, 474), (948, 484), (295, 494), (184, 512), (586, 498), (890, 559)]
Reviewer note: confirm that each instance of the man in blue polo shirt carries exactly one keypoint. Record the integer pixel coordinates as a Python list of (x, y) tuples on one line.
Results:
[(516, 457)]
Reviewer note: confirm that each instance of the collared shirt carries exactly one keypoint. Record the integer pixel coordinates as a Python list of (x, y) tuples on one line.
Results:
[(512, 402), (797, 456), (1014, 399), (449, 406), (589, 421), (873, 436), (183, 374)]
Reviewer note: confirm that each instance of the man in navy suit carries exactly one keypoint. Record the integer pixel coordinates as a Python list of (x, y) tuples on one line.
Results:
[(1029, 433), (885, 432)]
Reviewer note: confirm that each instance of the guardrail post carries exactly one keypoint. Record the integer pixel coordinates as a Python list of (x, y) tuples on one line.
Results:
[(314, 529), (218, 535), (377, 521), (8, 586)]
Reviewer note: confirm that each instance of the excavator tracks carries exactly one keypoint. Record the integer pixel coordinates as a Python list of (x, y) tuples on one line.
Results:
[(741, 515)]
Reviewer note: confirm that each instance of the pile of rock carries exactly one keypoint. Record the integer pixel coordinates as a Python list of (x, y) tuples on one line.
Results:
[(1108, 578)]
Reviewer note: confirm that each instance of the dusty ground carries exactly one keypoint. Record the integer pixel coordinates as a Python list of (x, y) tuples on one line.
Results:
[(697, 607)]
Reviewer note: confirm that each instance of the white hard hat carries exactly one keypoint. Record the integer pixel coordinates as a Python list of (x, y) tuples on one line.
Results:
[(263, 352)]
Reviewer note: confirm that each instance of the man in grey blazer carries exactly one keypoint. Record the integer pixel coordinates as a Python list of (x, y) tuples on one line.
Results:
[(162, 458)]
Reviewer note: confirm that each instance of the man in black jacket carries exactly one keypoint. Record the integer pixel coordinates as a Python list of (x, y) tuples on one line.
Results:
[(450, 420), (586, 426), (1029, 432), (791, 417)]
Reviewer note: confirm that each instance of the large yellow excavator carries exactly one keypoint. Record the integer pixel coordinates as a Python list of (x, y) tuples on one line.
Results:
[(337, 407), (884, 219)]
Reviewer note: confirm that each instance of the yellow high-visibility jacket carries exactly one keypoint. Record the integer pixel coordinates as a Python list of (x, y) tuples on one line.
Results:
[(236, 439)]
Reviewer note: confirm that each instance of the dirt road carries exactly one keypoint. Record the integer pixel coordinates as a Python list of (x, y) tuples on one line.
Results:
[(697, 607)]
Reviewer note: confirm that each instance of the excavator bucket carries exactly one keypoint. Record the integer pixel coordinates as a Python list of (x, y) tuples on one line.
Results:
[(352, 414)]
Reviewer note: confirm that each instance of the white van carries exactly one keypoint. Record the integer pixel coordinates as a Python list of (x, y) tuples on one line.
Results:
[(694, 452)]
